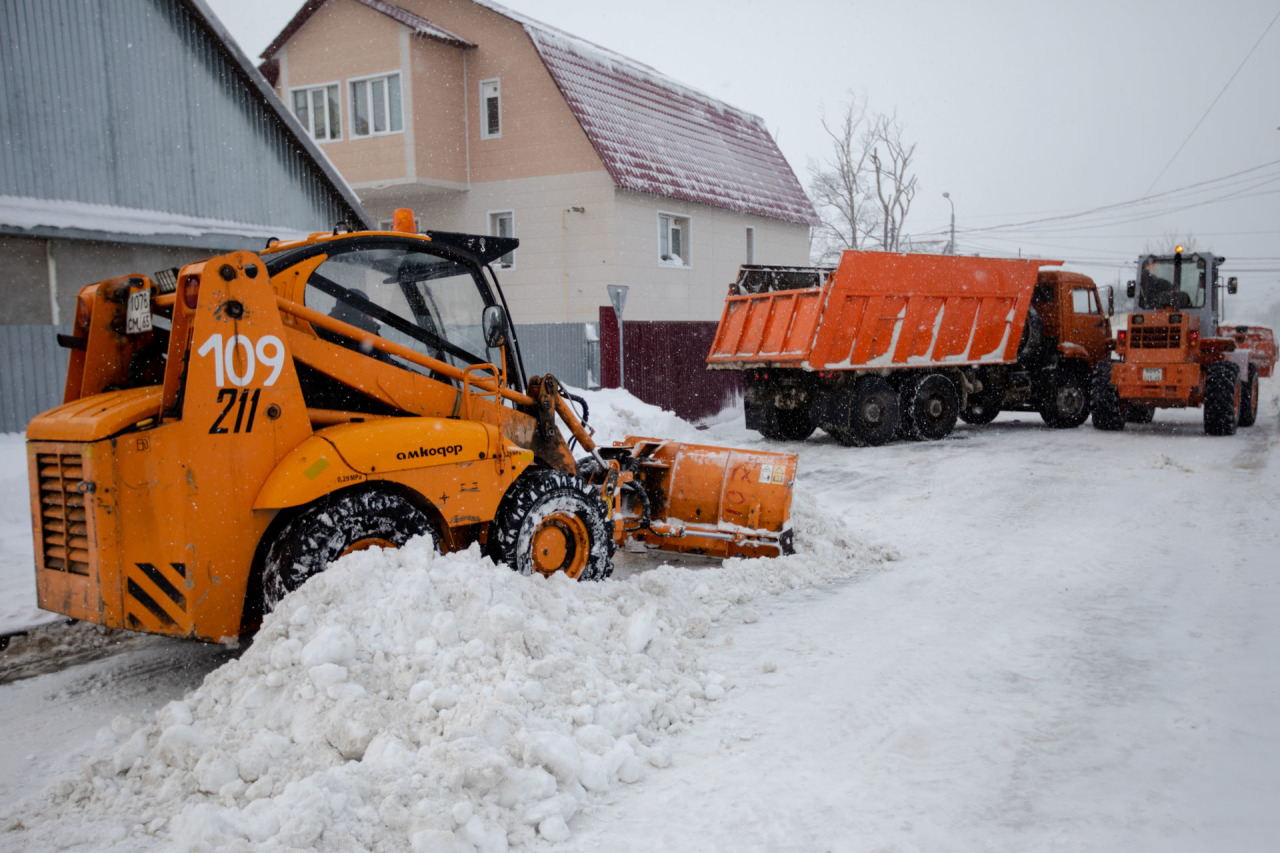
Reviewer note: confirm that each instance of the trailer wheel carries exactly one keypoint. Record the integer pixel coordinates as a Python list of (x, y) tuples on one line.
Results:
[(874, 413), (332, 527), (932, 406), (1064, 402), (1104, 399), (1249, 398), (1136, 413), (1221, 399), (549, 522), (787, 424)]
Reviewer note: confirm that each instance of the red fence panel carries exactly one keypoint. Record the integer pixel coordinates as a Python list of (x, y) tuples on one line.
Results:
[(667, 364)]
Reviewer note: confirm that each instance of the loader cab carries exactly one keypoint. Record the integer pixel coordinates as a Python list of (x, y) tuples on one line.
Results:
[(1185, 282), (428, 296)]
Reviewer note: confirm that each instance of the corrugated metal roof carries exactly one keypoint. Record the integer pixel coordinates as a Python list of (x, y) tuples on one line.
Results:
[(655, 135), (148, 105)]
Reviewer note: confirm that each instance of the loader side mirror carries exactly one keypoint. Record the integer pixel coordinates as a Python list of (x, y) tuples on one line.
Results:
[(1130, 289), (1111, 301), (1233, 284), (494, 323)]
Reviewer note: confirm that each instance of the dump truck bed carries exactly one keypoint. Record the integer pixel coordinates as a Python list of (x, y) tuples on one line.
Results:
[(877, 310)]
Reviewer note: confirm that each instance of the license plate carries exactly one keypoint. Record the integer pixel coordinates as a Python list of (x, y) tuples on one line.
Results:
[(1152, 374), (138, 318)]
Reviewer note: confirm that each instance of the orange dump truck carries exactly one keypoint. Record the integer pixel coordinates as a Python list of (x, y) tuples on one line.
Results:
[(890, 344)]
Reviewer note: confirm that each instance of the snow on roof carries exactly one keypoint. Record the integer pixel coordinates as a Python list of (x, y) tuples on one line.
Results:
[(33, 213), (420, 25)]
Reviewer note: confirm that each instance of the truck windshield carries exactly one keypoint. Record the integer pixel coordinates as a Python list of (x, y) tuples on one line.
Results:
[(428, 303), (1156, 288)]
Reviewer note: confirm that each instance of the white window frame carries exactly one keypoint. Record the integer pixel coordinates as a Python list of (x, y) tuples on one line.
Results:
[(668, 224), (309, 125), (751, 245), (368, 82), (495, 217), (490, 89)]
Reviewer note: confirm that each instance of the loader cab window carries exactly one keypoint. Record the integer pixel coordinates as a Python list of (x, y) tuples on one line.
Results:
[(428, 303), (1156, 286)]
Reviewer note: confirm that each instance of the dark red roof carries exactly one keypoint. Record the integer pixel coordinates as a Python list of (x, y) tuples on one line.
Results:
[(657, 136), (420, 25)]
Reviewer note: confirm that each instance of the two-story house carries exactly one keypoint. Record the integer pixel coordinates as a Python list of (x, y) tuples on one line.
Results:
[(481, 119)]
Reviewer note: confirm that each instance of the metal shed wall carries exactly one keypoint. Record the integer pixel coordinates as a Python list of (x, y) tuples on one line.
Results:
[(144, 104)]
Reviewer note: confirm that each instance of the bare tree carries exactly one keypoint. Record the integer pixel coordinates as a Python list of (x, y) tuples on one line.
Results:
[(863, 190), (840, 185), (895, 182), (1170, 240)]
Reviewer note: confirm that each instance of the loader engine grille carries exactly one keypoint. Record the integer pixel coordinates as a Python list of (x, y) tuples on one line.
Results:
[(64, 530), (1155, 337)]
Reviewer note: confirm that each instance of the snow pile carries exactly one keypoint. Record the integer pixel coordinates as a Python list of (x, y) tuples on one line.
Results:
[(405, 700)]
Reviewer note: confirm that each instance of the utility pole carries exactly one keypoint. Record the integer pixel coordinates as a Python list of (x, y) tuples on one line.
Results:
[(951, 245)]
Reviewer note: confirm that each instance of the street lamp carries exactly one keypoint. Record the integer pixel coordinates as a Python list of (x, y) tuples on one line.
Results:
[(951, 246)]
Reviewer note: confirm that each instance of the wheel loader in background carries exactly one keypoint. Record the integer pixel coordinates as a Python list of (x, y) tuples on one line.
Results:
[(1176, 353), (891, 345), (230, 428)]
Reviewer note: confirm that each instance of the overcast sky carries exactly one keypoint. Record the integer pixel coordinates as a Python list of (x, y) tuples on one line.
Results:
[(1022, 111)]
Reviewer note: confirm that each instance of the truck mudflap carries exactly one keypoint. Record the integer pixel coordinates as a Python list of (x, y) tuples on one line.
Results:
[(700, 499)]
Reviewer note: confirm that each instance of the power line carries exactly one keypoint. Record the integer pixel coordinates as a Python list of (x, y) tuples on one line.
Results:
[(1214, 104)]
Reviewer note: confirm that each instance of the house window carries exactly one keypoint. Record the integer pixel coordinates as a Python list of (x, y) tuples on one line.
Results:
[(751, 245), (673, 240), (502, 223), (375, 106), (318, 109), (490, 109)]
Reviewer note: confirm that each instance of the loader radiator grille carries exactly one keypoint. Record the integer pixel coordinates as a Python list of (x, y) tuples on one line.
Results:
[(1155, 337), (64, 530)]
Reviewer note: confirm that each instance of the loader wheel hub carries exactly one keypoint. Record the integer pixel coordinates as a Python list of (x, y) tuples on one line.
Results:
[(366, 544), (560, 543)]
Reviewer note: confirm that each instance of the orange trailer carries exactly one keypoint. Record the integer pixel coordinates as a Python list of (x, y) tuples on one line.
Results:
[(896, 343)]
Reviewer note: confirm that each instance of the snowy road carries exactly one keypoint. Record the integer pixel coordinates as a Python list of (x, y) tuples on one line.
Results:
[(1076, 649)]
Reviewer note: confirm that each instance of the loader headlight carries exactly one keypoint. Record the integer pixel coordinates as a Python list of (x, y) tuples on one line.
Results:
[(191, 291)]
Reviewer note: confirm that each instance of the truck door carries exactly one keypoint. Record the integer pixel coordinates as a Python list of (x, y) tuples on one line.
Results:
[(1086, 324)]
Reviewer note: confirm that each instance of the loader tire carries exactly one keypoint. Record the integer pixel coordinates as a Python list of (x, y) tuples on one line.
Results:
[(1249, 398), (1136, 413), (873, 414), (1064, 400), (1221, 399), (549, 522), (787, 425), (931, 408), (334, 526), (1104, 399)]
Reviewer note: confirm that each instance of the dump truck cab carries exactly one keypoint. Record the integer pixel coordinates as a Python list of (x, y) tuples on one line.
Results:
[(1175, 352)]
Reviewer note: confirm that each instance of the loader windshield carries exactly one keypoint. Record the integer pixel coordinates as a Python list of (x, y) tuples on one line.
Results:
[(425, 302), (1162, 287)]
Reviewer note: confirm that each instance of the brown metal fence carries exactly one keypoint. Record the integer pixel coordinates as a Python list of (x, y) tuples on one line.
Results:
[(666, 364)]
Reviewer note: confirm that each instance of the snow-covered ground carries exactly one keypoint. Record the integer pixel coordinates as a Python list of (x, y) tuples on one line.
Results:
[(1014, 639)]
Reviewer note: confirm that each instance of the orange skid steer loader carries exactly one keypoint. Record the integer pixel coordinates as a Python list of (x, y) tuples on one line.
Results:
[(232, 427)]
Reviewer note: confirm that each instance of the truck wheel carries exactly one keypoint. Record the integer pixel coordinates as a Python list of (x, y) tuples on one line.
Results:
[(873, 414), (549, 522), (1135, 413), (788, 425), (1104, 399), (1064, 402), (1249, 398), (1221, 399), (932, 406), (333, 526), (980, 409)]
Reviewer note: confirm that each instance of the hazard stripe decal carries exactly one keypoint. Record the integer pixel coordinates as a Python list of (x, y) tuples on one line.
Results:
[(140, 595), (162, 583)]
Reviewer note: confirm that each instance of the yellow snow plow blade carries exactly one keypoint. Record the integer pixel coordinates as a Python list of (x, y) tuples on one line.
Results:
[(699, 499)]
